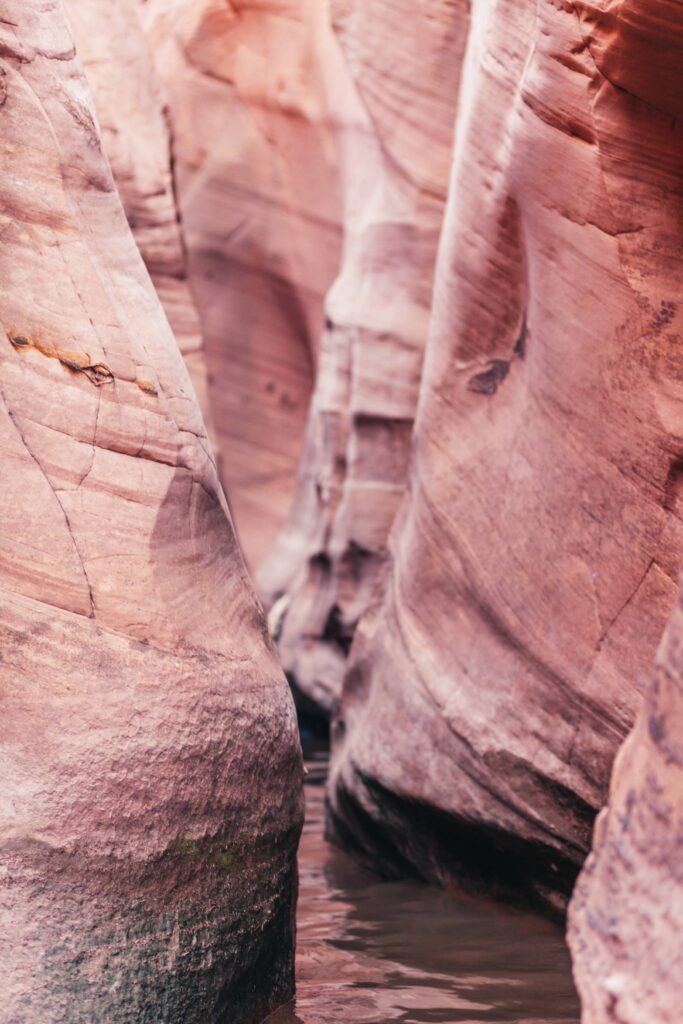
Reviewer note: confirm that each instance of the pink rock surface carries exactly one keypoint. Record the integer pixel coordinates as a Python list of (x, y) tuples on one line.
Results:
[(625, 917), (535, 559), (252, 90), (328, 566), (134, 123), (626, 911), (151, 797)]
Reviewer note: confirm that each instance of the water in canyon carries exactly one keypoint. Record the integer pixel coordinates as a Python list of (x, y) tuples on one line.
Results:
[(377, 952)]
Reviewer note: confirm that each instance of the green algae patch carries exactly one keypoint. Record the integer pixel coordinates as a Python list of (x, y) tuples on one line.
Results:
[(229, 859), (184, 846), (212, 850)]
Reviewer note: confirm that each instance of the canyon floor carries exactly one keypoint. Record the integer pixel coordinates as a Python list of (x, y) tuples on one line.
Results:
[(372, 951)]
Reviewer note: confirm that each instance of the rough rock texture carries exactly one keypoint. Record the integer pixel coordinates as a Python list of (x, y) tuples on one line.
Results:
[(135, 132), (625, 923), (252, 88), (535, 558), (151, 797), (328, 566), (626, 911)]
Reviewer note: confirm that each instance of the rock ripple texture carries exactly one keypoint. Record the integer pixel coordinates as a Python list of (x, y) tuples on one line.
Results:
[(329, 565), (255, 115), (625, 921), (535, 557), (135, 128), (151, 770)]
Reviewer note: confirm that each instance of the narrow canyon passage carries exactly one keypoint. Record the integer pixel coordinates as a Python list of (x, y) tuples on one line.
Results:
[(341, 381), (374, 952)]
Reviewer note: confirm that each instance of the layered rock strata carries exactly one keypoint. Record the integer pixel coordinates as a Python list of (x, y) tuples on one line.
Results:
[(535, 558), (151, 798), (626, 911), (328, 567), (134, 124), (257, 99)]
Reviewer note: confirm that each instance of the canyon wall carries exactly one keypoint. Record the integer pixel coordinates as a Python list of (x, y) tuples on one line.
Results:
[(133, 121), (151, 799), (535, 556), (627, 908), (329, 565), (257, 97), (625, 920), (456, 229)]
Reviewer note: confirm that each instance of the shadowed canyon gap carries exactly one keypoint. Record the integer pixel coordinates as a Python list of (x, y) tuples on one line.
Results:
[(329, 564), (430, 254), (256, 97)]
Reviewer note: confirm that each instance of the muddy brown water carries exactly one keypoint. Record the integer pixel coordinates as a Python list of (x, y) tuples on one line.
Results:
[(375, 952)]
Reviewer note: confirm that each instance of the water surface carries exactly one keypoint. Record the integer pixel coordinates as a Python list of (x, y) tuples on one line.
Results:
[(375, 952)]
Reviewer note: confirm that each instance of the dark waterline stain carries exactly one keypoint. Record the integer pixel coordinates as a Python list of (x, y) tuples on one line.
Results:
[(377, 952)]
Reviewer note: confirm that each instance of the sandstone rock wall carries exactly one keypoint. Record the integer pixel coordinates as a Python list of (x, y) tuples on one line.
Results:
[(328, 567), (133, 120), (501, 645), (151, 797), (257, 99), (626, 911), (625, 920), (535, 558)]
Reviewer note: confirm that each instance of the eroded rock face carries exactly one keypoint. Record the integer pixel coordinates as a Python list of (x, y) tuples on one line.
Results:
[(329, 565), (626, 911), (253, 90), (135, 132), (625, 920), (534, 561), (151, 797)]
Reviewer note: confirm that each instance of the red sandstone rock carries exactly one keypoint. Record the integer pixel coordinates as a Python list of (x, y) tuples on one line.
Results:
[(626, 911), (534, 561), (133, 120), (328, 567), (252, 90), (151, 771), (152, 785)]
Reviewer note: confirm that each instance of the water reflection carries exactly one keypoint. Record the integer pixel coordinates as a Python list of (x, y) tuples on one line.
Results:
[(374, 952)]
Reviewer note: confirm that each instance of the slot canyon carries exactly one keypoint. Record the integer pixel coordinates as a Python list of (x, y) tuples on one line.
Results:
[(341, 422)]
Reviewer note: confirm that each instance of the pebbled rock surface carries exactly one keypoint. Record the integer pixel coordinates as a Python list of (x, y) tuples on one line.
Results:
[(151, 798), (134, 125), (253, 92), (328, 567), (536, 555)]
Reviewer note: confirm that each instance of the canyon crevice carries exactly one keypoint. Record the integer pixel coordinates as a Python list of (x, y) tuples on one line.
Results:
[(374, 308), (329, 565), (254, 103)]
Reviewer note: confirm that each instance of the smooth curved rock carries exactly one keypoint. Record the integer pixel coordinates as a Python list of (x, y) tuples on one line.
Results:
[(133, 120), (151, 799), (329, 566), (252, 89), (535, 558)]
